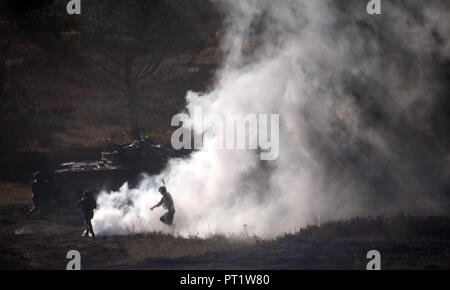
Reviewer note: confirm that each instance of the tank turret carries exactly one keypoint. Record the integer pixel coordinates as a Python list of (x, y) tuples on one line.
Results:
[(119, 164)]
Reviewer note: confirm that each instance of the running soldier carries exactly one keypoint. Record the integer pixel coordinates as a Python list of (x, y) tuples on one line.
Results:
[(87, 204), (167, 203)]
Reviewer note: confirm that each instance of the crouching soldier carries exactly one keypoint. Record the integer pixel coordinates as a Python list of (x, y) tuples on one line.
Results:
[(87, 204), (167, 203)]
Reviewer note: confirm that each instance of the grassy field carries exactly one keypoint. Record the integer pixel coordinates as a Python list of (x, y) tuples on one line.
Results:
[(14, 193), (405, 242)]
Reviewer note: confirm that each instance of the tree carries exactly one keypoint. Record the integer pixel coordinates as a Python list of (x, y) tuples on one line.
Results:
[(127, 42)]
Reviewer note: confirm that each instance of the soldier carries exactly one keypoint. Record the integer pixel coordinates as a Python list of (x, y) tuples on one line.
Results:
[(87, 204), (146, 141), (167, 203), (37, 189)]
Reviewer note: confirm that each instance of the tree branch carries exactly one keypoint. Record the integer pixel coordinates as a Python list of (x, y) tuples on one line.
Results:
[(107, 70), (102, 52), (145, 73), (105, 83)]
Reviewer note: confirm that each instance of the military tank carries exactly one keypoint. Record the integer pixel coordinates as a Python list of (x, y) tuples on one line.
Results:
[(121, 163)]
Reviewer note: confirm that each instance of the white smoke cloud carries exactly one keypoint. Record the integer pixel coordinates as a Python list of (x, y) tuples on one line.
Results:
[(353, 92)]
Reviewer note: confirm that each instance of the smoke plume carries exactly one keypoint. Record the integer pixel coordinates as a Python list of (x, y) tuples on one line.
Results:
[(363, 103)]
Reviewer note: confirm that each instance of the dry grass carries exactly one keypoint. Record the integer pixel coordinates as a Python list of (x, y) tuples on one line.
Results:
[(158, 245), (14, 193), (403, 229)]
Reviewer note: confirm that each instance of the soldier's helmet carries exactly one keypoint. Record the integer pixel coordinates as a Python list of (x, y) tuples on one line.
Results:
[(36, 175), (87, 193), (162, 190)]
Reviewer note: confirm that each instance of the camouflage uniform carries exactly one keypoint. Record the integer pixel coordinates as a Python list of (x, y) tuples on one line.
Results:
[(87, 205)]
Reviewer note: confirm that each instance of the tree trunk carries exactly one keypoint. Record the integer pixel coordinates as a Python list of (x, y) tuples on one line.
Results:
[(2, 79), (134, 120), (132, 96)]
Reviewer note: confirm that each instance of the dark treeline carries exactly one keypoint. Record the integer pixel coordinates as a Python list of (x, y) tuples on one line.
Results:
[(119, 70)]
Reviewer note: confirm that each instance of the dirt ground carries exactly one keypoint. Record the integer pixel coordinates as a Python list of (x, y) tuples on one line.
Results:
[(43, 241)]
